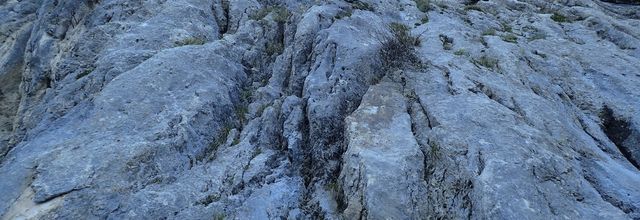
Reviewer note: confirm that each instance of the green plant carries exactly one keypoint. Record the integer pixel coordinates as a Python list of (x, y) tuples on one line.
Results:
[(398, 49), (435, 149), (447, 42), (559, 18), (486, 61), (473, 8), (423, 5), (280, 13), (257, 152), (211, 198), (260, 14), (357, 4), (424, 19), (241, 113), (236, 141), (191, 41), (484, 42), (510, 38), (274, 48), (344, 14), (246, 95), (219, 216), (156, 180), (209, 151), (333, 186), (86, 72), (410, 94), (489, 32), (441, 4), (506, 27), (461, 52), (401, 32)]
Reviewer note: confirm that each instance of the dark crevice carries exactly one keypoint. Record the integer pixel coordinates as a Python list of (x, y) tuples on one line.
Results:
[(481, 163), (626, 208), (221, 13), (622, 135), (54, 196), (414, 130), (626, 2), (482, 88), (447, 76)]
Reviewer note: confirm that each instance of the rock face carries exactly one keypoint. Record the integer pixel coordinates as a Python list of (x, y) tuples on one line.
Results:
[(193, 109), (383, 171)]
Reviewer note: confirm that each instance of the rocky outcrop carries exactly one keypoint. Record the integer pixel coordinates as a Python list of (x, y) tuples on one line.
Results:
[(193, 109), (382, 173)]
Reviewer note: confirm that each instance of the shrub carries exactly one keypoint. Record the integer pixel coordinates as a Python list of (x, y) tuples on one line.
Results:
[(357, 4), (273, 48), (486, 62), (398, 49), (423, 5), (489, 32), (435, 150), (209, 151), (333, 186), (344, 14), (461, 52), (208, 199), (219, 216), (241, 113), (559, 18), (260, 14), (401, 32), (85, 72), (447, 42), (506, 27), (281, 14), (473, 8), (424, 19), (510, 38)]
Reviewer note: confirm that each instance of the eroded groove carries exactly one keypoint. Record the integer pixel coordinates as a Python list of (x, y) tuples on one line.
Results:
[(220, 10), (621, 133), (613, 200)]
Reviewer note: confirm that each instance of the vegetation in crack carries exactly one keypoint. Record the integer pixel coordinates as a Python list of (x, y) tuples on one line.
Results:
[(85, 72), (398, 48), (258, 123), (557, 17), (360, 5), (209, 151), (280, 13), (191, 41), (486, 61), (447, 42), (423, 5)]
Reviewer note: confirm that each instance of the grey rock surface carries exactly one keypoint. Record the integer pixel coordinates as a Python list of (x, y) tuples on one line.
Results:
[(383, 171), (224, 109)]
